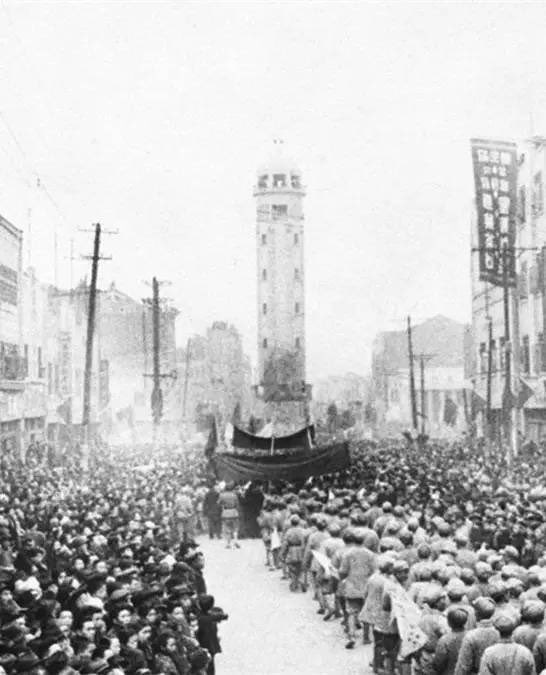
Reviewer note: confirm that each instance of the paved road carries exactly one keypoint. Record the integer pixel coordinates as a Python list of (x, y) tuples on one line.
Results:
[(270, 630)]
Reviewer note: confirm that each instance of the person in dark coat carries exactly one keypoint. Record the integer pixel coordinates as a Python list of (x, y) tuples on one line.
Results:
[(207, 630), (212, 511)]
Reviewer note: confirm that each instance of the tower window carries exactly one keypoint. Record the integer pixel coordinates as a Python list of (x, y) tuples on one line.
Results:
[(262, 182), (298, 343), (279, 180), (264, 275), (296, 239), (296, 274), (297, 308), (264, 308), (264, 343), (264, 239), (296, 181), (279, 210)]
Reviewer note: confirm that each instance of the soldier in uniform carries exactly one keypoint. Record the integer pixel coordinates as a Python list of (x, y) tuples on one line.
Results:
[(292, 552), (507, 657), (229, 503), (476, 641)]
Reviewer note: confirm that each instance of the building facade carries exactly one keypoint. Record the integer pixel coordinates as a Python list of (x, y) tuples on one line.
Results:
[(214, 378), (441, 341), (527, 305), (281, 299), (124, 335)]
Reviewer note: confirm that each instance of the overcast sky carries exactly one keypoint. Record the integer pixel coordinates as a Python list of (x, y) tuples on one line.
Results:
[(152, 117)]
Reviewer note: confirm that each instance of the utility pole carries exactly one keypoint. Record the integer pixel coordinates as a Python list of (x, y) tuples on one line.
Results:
[(156, 375), (157, 394), (91, 313), (488, 416), (89, 340), (507, 394), (413, 401), (423, 358)]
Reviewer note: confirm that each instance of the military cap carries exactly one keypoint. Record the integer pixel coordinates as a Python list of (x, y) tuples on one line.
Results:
[(484, 607), (533, 611), (457, 616), (504, 623)]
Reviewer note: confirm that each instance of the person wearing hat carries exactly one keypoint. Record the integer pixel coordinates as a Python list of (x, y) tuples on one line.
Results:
[(229, 504), (456, 594), (356, 569), (532, 620), (433, 624), (465, 556), (372, 611), (449, 645), (327, 578), (476, 641), (506, 657), (387, 623), (310, 564), (292, 551)]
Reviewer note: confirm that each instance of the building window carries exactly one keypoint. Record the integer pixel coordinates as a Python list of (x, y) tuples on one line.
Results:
[(279, 180), (297, 308), (279, 211), (262, 182), (264, 239), (525, 355), (298, 343), (264, 343), (262, 213), (25, 361), (296, 274), (264, 275), (538, 194), (264, 308), (296, 239), (40, 372), (295, 181), (502, 353)]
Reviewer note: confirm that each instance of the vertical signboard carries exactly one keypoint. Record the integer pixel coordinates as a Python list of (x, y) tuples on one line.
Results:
[(495, 180)]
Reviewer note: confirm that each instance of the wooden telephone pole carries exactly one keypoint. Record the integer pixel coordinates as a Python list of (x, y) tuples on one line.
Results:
[(156, 375), (413, 398)]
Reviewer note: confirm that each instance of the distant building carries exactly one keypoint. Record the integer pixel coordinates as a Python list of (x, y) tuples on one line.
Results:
[(214, 376), (281, 299), (442, 341), (124, 335), (349, 391), (527, 307)]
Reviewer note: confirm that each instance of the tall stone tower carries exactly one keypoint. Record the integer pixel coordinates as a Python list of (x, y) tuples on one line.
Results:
[(281, 300)]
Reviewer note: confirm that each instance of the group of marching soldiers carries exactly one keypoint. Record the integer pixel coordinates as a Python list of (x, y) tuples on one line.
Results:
[(427, 599)]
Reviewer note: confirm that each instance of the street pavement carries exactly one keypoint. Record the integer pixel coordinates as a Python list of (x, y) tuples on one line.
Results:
[(270, 630)]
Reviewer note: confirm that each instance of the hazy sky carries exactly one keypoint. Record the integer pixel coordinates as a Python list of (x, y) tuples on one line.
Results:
[(151, 118)]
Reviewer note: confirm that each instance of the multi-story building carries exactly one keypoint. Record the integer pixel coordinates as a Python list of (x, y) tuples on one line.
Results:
[(11, 336), (441, 343), (214, 377), (527, 305), (281, 300)]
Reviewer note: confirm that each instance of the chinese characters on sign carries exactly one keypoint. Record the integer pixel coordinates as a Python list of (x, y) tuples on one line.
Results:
[(495, 179)]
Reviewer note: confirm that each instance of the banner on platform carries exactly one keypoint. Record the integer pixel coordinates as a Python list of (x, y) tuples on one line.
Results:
[(495, 180), (287, 467), (302, 439)]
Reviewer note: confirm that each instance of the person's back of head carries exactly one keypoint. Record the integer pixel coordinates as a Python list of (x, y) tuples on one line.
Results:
[(484, 608), (457, 618)]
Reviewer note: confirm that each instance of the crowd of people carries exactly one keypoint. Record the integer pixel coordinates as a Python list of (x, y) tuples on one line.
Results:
[(99, 571), (434, 553)]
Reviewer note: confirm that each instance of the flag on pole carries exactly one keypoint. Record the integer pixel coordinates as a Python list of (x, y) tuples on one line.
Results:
[(212, 441)]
